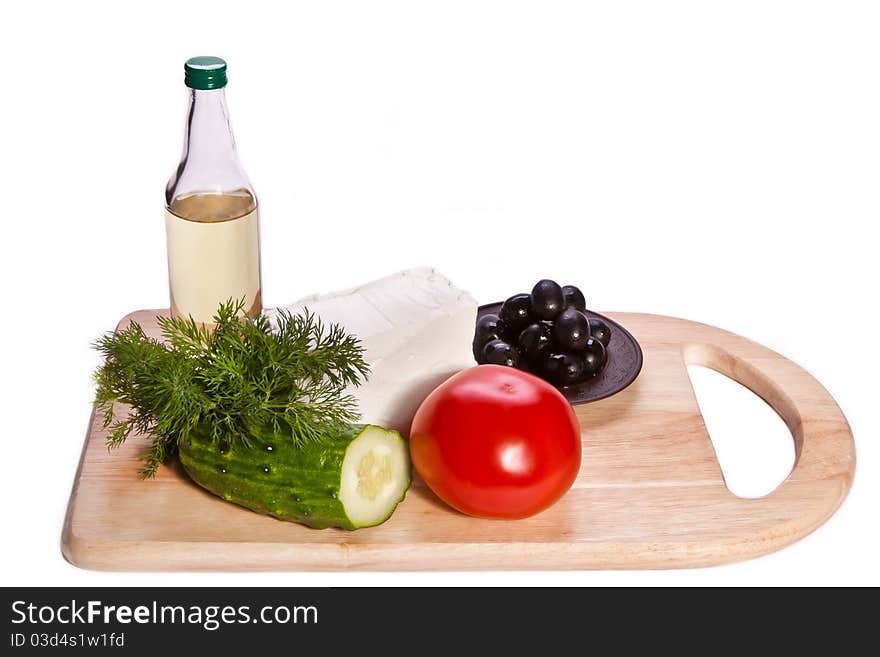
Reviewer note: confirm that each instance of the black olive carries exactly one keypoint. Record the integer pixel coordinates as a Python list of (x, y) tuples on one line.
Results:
[(600, 331), (487, 325), (572, 330), (552, 368), (516, 314), (477, 348), (594, 357), (488, 328), (562, 369), (571, 369), (535, 340), (574, 298), (547, 300), (498, 352)]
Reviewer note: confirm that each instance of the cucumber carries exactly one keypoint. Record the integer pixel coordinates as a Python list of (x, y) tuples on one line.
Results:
[(353, 480)]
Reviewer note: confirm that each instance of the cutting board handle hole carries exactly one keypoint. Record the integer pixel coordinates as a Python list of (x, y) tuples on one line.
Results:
[(754, 446)]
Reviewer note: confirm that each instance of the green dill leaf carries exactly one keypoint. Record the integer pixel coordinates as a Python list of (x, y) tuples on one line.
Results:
[(229, 380)]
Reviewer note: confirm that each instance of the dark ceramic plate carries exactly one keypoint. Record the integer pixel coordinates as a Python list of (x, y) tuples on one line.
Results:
[(623, 366)]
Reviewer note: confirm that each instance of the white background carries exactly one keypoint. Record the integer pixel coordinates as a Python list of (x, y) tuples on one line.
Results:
[(711, 160)]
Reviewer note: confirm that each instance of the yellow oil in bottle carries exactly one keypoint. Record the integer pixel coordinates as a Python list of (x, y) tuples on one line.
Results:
[(213, 242)]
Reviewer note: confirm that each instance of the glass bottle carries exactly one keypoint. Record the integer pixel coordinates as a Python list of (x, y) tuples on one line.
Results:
[(211, 216)]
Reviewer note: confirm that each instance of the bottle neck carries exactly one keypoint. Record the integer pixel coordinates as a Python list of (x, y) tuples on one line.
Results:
[(209, 164), (208, 141)]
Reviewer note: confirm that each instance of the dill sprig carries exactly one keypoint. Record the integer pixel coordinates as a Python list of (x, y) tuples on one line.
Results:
[(229, 381)]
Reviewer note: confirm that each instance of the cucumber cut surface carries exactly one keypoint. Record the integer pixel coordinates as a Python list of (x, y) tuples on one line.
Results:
[(375, 476)]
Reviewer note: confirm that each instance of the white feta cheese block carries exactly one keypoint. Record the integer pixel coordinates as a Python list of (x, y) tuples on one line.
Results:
[(416, 328)]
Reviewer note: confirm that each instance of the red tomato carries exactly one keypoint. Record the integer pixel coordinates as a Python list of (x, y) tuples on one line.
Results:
[(496, 442)]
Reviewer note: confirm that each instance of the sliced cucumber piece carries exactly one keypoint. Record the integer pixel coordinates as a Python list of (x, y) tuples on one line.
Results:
[(354, 480)]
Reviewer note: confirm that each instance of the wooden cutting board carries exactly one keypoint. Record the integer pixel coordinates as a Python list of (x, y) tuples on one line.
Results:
[(650, 493)]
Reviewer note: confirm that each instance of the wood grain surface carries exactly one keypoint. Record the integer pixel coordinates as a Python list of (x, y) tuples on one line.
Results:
[(650, 493)]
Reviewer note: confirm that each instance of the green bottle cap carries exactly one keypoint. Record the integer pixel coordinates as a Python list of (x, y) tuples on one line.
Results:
[(205, 73)]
